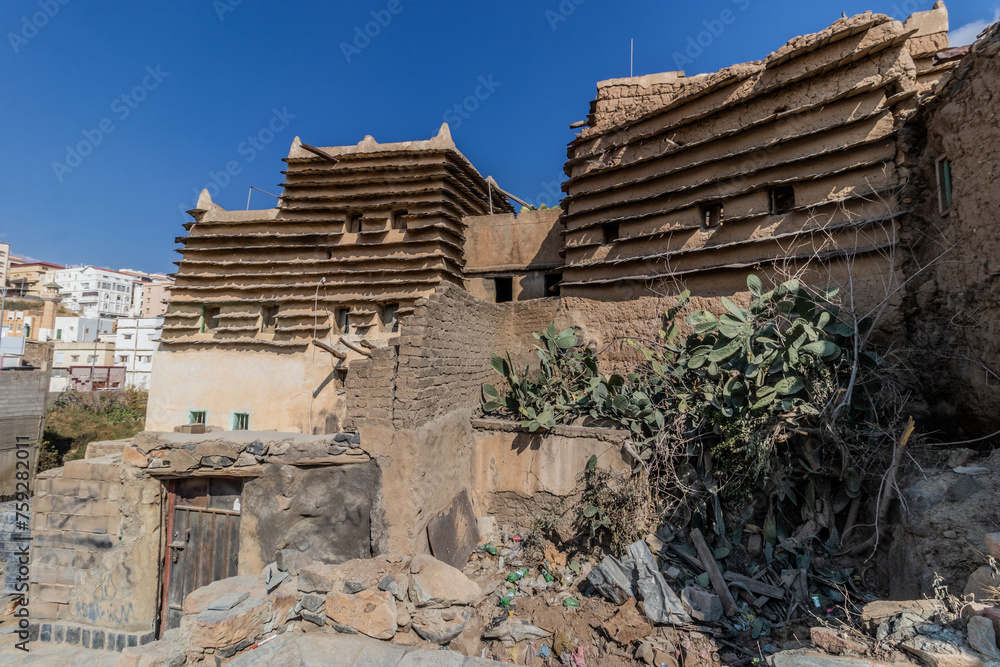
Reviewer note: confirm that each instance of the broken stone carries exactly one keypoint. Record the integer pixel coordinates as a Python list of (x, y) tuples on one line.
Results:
[(371, 612), (833, 642), (344, 629), (488, 528), (313, 617), (403, 617), (217, 461), (256, 448), (469, 643), (939, 653), (134, 457), (992, 613), (702, 605), (216, 629), (806, 659), (755, 545), (355, 586), (875, 613), (982, 636), (441, 625), (154, 654), (335, 450), (437, 584), (245, 459), (645, 653), (228, 601), (313, 602), (516, 631), (181, 459), (453, 533)]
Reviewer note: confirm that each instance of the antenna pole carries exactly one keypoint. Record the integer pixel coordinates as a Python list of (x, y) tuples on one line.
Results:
[(631, 58)]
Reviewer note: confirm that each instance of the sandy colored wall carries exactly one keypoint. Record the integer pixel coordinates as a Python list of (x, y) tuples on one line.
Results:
[(275, 388), (504, 242)]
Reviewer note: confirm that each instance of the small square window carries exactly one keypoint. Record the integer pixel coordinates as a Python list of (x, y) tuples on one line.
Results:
[(75, 357), (344, 320), (782, 199), (241, 421), (196, 417), (268, 317), (503, 289), (210, 318), (354, 223), (945, 198), (711, 216), (399, 220), (609, 232), (389, 321)]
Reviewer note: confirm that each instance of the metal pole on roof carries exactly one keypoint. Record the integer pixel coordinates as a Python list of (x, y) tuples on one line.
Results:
[(3, 305)]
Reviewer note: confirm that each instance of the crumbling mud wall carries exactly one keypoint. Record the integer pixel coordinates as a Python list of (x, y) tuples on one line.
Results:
[(952, 311), (772, 166)]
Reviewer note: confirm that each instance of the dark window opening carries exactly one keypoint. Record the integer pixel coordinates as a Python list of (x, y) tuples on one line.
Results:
[(210, 318), (711, 216), (945, 195), (390, 323), (241, 421), (196, 417), (329, 253), (354, 224), (503, 289), (340, 376), (610, 232), (782, 199), (268, 317), (344, 320), (552, 281), (399, 220)]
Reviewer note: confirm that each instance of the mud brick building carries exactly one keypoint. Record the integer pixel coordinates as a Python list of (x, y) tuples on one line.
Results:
[(316, 392)]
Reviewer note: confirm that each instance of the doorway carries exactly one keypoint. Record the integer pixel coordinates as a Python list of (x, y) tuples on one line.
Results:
[(203, 539)]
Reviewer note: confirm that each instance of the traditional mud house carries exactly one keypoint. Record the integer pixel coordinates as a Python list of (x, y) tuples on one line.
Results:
[(356, 319), (359, 234)]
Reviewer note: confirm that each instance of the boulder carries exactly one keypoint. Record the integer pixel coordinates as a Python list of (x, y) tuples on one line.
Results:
[(372, 612), (134, 457), (982, 637), (980, 582), (217, 629), (439, 585), (993, 544), (875, 613), (441, 625), (938, 653), (156, 654)]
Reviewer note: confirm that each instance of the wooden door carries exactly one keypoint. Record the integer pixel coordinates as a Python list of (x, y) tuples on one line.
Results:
[(203, 539)]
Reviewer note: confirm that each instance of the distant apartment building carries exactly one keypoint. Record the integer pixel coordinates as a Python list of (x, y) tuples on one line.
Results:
[(82, 329), (4, 263), (150, 293), (136, 341), (29, 279), (93, 291)]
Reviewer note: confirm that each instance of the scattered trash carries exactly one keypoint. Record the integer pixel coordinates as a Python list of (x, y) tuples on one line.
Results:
[(614, 579), (516, 575), (571, 602), (544, 652), (516, 631), (491, 550)]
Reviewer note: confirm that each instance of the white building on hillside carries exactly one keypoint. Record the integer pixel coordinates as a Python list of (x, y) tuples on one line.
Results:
[(82, 329), (135, 344), (4, 263), (93, 291)]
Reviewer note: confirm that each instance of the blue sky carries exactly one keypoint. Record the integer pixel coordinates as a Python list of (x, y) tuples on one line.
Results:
[(116, 114)]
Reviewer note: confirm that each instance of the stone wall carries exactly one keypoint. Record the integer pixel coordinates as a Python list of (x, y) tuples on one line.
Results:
[(95, 560), (23, 402), (952, 303)]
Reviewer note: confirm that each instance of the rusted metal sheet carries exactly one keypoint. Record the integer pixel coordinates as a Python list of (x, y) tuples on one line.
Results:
[(202, 539)]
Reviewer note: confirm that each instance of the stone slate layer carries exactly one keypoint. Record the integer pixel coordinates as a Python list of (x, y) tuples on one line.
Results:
[(87, 636), (820, 115), (304, 257)]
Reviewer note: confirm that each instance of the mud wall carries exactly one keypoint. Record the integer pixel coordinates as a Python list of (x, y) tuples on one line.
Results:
[(23, 401), (953, 298)]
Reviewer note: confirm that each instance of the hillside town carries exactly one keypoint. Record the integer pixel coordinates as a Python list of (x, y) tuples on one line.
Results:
[(734, 401), (102, 325)]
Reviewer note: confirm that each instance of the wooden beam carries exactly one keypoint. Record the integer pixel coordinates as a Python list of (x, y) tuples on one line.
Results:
[(323, 346), (320, 153), (718, 583)]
